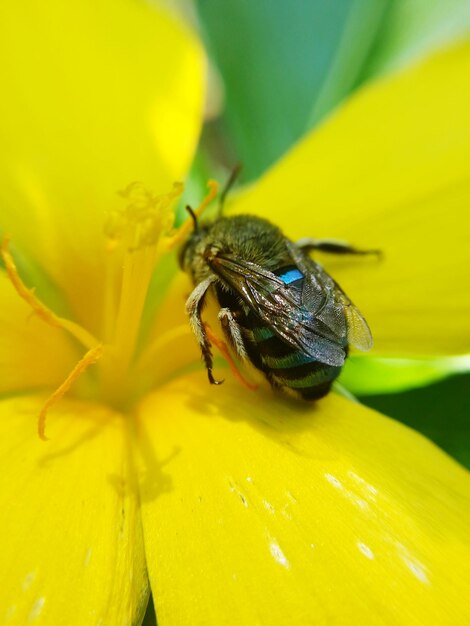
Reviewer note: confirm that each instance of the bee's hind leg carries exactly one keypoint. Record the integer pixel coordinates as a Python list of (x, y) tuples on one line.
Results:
[(331, 246), (232, 332), (234, 337), (194, 305)]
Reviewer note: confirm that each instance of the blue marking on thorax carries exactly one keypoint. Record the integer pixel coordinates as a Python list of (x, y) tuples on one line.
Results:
[(290, 276)]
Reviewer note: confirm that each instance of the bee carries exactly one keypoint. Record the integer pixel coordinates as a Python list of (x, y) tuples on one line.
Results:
[(279, 309)]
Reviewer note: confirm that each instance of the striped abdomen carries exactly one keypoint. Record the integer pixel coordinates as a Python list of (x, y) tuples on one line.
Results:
[(283, 364)]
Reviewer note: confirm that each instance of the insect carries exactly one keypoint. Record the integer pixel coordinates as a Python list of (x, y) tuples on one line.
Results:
[(279, 309)]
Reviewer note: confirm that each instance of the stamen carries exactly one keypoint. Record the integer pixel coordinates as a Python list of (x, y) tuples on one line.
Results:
[(40, 309), (184, 230), (90, 358), (135, 232), (222, 347)]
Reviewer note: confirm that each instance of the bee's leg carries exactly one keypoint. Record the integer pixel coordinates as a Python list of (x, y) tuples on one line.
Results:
[(232, 331), (228, 357), (331, 246), (194, 305)]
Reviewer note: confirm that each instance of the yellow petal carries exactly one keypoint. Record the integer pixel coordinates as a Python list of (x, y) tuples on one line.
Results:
[(257, 510), (390, 170), (32, 354), (99, 94), (70, 539)]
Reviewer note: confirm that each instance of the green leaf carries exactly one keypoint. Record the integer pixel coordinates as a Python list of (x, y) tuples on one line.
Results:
[(440, 412), (413, 28), (366, 376), (284, 66)]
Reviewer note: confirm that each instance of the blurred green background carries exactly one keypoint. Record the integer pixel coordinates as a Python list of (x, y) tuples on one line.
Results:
[(277, 70), (281, 67)]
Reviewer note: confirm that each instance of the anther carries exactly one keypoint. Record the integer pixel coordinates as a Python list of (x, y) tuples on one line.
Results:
[(145, 218)]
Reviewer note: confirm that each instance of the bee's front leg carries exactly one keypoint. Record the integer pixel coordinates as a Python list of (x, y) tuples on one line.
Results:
[(332, 246), (194, 305)]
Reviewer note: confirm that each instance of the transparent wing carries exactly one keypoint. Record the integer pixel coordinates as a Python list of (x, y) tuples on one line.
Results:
[(283, 309), (328, 302), (359, 334)]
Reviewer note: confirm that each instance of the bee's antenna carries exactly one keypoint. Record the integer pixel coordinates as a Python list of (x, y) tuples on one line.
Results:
[(228, 185), (194, 217)]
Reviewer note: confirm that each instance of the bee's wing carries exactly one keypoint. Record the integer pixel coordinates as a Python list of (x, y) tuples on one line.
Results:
[(330, 304), (359, 334), (281, 308)]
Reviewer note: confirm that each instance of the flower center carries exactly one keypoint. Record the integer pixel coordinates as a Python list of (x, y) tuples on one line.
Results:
[(136, 238)]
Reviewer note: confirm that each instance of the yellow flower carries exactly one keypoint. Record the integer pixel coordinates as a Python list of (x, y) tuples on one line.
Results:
[(238, 507)]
